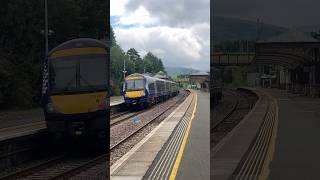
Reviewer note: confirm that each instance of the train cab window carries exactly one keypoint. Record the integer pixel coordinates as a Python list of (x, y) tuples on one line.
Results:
[(93, 72), (63, 74), (134, 84)]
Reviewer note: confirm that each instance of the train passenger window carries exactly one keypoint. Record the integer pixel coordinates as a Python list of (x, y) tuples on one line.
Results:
[(151, 88)]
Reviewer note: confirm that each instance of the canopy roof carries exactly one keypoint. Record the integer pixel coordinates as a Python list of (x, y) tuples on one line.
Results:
[(290, 49)]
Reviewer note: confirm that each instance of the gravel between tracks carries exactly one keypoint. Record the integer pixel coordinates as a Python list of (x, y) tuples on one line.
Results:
[(245, 102)]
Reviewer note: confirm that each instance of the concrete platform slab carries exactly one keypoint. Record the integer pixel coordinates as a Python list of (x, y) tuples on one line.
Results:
[(228, 155), (195, 163), (145, 156), (296, 154), (22, 130), (126, 178), (116, 100), (186, 154)]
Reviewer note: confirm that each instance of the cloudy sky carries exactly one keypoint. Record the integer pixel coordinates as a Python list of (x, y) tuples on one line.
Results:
[(287, 13), (176, 31)]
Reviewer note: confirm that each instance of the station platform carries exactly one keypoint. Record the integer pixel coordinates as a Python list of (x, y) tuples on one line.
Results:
[(296, 154), (276, 140), (116, 100), (179, 148), (15, 123), (195, 163)]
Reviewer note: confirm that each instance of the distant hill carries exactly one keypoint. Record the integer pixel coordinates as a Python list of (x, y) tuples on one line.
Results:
[(225, 28), (308, 29), (174, 71)]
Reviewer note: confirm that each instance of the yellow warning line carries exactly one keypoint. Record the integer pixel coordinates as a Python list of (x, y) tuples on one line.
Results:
[(183, 145), (270, 154)]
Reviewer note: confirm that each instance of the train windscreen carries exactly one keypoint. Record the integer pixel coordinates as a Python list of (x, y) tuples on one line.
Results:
[(76, 74), (93, 72), (63, 74), (134, 84)]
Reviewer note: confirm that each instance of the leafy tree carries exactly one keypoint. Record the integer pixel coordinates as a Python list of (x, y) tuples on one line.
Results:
[(134, 64), (22, 41), (152, 63)]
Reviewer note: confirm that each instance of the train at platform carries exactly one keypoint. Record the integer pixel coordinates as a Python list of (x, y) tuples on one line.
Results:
[(216, 85), (144, 90), (75, 90)]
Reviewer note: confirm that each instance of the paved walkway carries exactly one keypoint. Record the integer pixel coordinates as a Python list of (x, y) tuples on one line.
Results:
[(195, 163), (297, 150)]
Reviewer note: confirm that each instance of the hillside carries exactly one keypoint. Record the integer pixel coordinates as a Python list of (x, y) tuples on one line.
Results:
[(174, 71), (308, 29), (224, 28)]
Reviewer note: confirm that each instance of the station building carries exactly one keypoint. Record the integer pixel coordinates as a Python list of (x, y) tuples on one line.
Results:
[(289, 61), (200, 80)]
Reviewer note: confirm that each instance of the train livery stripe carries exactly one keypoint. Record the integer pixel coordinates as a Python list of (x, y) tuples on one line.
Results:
[(134, 94), (78, 51), (78, 103)]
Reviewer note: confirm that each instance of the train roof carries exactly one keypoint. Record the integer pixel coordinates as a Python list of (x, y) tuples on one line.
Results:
[(150, 77), (79, 43)]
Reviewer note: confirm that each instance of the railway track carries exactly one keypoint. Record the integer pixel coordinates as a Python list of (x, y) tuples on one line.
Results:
[(241, 105), (136, 130), (229, 109), (59, 167), (123, 116), (120, 117)]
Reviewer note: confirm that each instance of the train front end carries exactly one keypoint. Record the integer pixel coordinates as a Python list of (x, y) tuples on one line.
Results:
[(76, 95), (135, 90)]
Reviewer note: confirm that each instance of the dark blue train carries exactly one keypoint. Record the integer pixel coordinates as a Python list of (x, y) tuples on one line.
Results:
[(144, 90)]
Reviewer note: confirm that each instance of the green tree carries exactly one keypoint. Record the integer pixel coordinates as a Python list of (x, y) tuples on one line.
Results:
[(136, 60), (152, 63), (22, 41)]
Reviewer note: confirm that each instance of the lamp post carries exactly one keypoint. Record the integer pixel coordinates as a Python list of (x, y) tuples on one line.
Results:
[(46, 26), (124, 69)]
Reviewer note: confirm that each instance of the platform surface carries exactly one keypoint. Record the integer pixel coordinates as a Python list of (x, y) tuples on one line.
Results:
[(195, 163), (116, 100), (297, 149), (186, 155)]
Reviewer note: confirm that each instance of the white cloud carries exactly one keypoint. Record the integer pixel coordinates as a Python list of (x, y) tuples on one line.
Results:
[(175, 46), (139, 17), (174, 13), (176, 31), (117, 7)]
